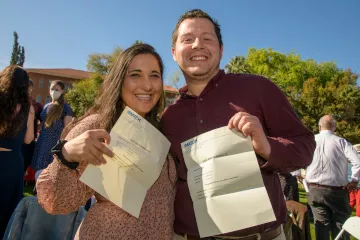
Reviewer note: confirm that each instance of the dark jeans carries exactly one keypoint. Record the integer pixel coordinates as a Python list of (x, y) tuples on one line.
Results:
[(331, 209), (27, 152)]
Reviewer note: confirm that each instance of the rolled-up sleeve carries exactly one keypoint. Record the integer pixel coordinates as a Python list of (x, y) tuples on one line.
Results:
[(59, 189)]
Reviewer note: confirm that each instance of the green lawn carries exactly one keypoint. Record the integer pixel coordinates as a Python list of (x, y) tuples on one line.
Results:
[(303, 200), (28, 189)]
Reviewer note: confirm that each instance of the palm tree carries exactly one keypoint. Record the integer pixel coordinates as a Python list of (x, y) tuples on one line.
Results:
[(238, 65)]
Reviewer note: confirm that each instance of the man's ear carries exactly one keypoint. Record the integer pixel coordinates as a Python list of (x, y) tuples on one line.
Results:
[(221, 51)]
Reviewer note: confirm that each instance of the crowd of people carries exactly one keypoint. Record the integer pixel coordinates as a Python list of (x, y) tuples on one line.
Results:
[(211, 99)]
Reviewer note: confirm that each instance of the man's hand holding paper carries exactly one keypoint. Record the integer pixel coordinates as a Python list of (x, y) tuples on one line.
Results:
[(250, 125), (225, 182)]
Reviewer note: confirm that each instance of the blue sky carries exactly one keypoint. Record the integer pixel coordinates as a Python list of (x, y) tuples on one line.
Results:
[(61, 34)]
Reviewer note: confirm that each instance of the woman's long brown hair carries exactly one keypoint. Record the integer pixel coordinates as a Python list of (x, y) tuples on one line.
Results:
[(14, 89), (109, 103)]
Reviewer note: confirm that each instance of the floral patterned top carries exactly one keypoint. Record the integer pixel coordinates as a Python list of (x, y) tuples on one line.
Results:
[(60, 192)]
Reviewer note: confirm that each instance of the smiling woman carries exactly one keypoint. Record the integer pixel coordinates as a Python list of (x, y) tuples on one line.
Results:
[(143, 84), (135, 76), (135, 81)]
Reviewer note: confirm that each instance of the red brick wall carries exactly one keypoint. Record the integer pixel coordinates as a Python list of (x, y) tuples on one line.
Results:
[(44, 90)]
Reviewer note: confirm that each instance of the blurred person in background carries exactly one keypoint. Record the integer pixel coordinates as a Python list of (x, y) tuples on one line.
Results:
[(28, 149), (55, 116), (327, 177), (16, 128)]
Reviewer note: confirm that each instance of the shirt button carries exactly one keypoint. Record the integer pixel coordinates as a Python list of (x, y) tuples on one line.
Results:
[(201, 121), (200, 99), (216, 85)]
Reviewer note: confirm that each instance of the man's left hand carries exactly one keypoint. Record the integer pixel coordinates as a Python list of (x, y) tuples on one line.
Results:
[(250, 125), (352, 186)]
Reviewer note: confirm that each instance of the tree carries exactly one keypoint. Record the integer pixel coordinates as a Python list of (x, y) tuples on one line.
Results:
[(18, 52), (21, 56), (15, 51), (314, 89), (175, 78), (101, 63), (237, 65), (174, 82), (82, 96), (138, 42)]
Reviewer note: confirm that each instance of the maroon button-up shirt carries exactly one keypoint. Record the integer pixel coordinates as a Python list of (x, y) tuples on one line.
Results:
[(292, 144)]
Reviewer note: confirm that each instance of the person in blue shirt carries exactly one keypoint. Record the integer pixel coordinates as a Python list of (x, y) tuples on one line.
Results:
[(55, 116)]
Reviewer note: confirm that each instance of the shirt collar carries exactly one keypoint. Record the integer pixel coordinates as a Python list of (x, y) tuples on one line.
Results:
[(212, 83), (326, 132)]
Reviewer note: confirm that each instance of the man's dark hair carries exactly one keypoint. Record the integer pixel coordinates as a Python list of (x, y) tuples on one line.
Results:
[(196, 13)]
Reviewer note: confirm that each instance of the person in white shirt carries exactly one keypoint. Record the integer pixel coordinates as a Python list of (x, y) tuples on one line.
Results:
[(327, 177)]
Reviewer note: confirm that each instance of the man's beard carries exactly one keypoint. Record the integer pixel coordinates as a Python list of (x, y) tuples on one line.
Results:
[(201, 75)]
